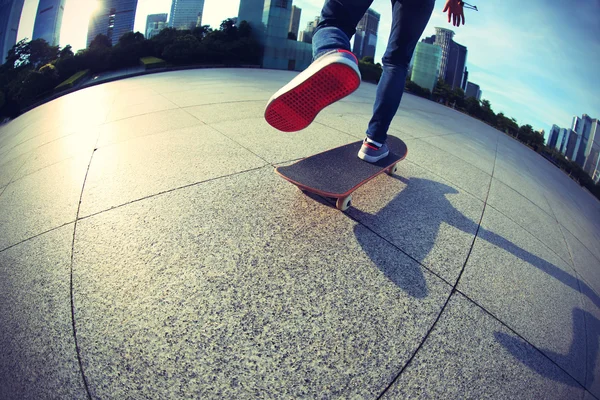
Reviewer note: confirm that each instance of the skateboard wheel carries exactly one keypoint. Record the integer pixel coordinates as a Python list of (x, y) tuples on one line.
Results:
[(343, 203), (392, 170)]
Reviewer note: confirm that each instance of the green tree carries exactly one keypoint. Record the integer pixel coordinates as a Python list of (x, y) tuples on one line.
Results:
[(66, 51), (244, 30), (35, 53), (441, 92), (100, 41), (200, 32), (229, 29), (185, 49), (292, 36), (2, 99)]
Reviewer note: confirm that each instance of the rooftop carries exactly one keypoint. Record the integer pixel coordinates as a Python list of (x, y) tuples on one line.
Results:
[(148, 250)]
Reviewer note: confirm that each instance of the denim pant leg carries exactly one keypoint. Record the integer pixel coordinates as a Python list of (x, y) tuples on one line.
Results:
[(338, 24), (409, 18)]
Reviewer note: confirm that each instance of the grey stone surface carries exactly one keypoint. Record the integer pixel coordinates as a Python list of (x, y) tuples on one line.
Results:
[(38, 359), (206, 292), (529, 217), (144, 125), (425, 216), (476, 152), (277, 147), (585, 263), (462, 174), (470, 355), (153, 164), (519, 280), (41, 201), (200, 273)]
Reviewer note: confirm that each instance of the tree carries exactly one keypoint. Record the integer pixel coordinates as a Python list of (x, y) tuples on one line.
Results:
[(100, 41), (244, 29), (184, 49), (229, 29), (66, 51), (292, 36), (441, 91), (200, 32)]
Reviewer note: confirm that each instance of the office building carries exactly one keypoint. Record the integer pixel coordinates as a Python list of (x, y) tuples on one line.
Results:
[(592, 151), (427, 59), (186, 14), (365, 39), (10, 16), (455, 69), (48, 21), (307, 34), (154, 24), (473, 90), (465, 80), (553, 137), (113, 18), (454, 57), (270, 22), (295, 21), (583, 128)]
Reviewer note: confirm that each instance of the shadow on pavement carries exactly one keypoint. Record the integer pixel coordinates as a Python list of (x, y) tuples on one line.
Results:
[(424, 207)]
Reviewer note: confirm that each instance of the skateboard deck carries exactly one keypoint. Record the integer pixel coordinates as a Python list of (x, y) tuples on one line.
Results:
[(338, 172)]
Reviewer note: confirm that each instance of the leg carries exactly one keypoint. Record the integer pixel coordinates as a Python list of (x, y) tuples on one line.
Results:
[(339, 19), (333, 74), (409, 18)]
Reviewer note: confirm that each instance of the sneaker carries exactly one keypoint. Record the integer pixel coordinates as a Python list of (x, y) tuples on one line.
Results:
[(372, 151), (331, 77)]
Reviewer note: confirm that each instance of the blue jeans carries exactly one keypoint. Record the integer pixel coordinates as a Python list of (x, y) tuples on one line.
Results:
[(409, 18)]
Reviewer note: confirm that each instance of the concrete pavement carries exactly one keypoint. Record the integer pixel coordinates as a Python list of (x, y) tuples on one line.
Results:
[(149, 251)]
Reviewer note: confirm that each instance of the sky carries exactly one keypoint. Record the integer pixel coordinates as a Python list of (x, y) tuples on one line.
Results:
[(536, 61)]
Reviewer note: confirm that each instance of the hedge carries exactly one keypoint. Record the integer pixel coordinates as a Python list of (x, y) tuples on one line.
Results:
[(73, 80)]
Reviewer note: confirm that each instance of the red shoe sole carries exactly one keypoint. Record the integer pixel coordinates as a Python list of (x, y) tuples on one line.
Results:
[(296, 109)]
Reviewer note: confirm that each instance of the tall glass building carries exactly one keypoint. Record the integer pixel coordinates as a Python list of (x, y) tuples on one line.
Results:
[(154, 24), (295, 21), (583, 127), (114, 18), (365, 39), (443, 38), (186, 14), (48, 21), (10, 16), (426, 65), (270, 21)]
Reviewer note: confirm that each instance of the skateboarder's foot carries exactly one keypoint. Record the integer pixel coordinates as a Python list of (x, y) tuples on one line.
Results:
[(331, 77), (372, 151)]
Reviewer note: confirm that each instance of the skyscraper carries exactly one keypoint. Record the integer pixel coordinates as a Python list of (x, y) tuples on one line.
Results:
[(10, 16), (592, 159), (295, 21), (553, 136), (426, 65), (114, 18), (186, 14), (270, 21), (307, 34), (583, 128), (443, 38), (455, 67), (473, 90), (48, 21), (154, 24), (365, 39)]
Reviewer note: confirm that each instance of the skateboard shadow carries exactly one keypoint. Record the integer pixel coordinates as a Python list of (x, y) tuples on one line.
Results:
[(412, 221)]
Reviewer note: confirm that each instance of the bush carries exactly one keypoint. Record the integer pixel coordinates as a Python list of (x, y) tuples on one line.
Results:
[(152, 62), (2, 99), (370, 72), (73, 80)]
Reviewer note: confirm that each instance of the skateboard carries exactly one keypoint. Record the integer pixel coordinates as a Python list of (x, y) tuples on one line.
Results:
[(338, 172)]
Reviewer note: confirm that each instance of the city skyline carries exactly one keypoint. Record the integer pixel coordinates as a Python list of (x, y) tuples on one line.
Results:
[(527, 69)]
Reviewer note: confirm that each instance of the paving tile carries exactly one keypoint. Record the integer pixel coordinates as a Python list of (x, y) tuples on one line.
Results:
[(214, 113), (244, 287), (150, 105), (38, 358), (471, 150), (423, 215), (529, 216), (41, 201), (355, 125), (75, 145), (220, 95), (519, 280), (508, 174), (470, 355), (585, 263), (8, 169), (590, 313), (152, 164), (450, 167), (277, 147), (143, 125)]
